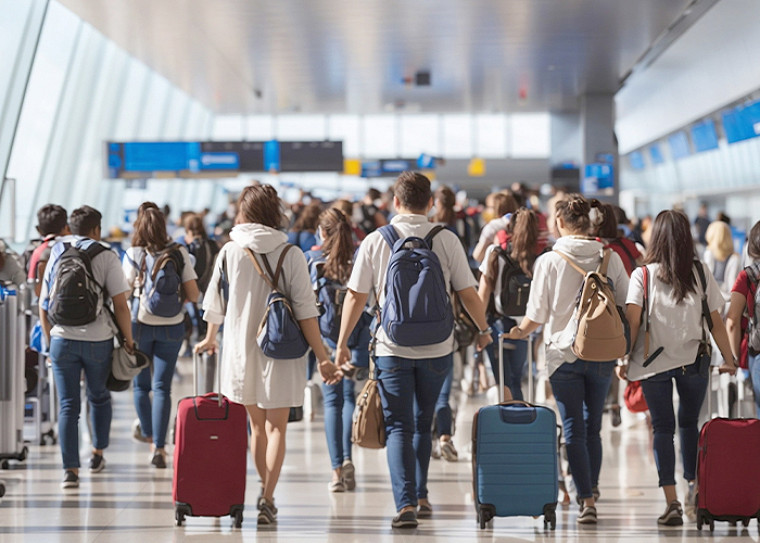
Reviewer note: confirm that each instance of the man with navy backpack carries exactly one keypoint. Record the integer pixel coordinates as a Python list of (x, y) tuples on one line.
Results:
[(80, 278), (411, 265)]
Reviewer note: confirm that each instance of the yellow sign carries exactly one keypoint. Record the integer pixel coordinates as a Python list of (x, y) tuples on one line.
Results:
[(352, 166), (476, 167)]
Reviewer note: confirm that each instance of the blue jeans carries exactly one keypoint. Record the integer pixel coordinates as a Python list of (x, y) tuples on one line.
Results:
[(69, 358), (161, 344), (443, 413), (514, 359), (658, 391), (340, 401), (580, 389), (409, 389), (754, 371)]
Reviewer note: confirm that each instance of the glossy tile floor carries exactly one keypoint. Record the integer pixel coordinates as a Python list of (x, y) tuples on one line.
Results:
[(131, 500)]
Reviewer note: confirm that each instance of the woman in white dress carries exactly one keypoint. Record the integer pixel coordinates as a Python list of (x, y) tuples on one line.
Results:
[(268, 388)]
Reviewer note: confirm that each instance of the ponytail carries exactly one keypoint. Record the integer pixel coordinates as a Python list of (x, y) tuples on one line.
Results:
[(338, 246)]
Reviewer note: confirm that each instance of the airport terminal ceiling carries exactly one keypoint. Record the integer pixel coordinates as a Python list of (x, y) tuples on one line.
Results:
[(335, 56)]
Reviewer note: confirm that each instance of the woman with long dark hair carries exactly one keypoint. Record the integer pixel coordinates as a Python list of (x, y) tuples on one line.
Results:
[(579, 386), (671, 352), (332, 263), (268, 388), (157, 326), (304, 232), (523, 247)]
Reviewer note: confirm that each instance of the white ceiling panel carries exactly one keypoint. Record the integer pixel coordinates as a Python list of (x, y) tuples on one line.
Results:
[(348, 56)]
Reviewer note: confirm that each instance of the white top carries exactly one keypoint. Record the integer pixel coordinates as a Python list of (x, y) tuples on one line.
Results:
[(133, 259), (105, 270), (677, 327), (491, 229), (555, 285), (248, 376), (733, 267), (372, 263)]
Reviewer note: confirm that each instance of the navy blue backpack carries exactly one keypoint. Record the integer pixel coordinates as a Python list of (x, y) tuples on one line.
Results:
[(161, 278), (417, 308), (278, 335)]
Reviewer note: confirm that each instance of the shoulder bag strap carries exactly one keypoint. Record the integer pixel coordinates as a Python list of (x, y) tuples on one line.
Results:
[(705, 308), (645, 273), (575, 266)]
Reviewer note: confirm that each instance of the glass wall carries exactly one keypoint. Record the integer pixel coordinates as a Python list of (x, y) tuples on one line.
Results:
[(453, 136), (83, 91)]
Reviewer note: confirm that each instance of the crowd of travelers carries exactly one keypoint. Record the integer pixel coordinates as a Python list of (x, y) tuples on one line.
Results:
[(198, 282)]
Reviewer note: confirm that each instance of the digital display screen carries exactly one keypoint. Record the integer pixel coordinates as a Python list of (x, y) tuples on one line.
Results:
[(679, 145), (704, 136), (656, 154), (132, 160), (636, 160), (742, 123)]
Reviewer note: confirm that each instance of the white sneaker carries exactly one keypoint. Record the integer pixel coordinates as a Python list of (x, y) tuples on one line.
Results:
[(690, 503)]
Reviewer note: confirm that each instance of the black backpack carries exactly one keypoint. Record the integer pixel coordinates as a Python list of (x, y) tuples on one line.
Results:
[(75, 296), (205, 252), (512, 299)]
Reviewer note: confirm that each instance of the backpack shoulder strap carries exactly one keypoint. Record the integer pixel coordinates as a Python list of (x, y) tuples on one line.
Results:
[(433, 233), (278, 269), (389, 234), (569, 260), (602, 269), (256, 265)]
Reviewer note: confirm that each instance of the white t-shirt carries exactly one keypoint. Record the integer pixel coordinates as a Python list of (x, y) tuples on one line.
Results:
[(372, 263), (677, 327), (132, 262), (105, 270)]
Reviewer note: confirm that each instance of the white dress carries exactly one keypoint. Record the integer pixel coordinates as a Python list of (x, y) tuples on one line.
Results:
[(248, 376)]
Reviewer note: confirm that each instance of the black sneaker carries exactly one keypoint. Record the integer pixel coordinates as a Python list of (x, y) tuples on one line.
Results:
[(97, 463), (70, 479), (407, 519), (158, 460)]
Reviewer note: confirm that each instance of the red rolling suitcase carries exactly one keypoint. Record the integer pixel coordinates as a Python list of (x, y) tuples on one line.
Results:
[(210, 456), (728, 472)]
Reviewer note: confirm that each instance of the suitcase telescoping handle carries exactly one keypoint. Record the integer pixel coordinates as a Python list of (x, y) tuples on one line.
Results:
[(501, 347), (196, 373)]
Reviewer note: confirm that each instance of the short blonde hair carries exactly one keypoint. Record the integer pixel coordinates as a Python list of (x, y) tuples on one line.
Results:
[(719, 240)]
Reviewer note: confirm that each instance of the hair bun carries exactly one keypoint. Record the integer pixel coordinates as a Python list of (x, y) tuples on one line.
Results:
[(579, 206)]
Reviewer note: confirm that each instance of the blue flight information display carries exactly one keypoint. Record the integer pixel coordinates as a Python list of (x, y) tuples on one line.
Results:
[(742, 123), (704, 136), (134, 160)]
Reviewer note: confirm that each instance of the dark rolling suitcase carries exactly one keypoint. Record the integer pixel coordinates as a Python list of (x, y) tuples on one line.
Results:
[(210, 456), (728, 473), (514, 459)]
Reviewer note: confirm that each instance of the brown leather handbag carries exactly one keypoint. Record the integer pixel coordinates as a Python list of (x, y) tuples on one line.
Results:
[(368, 428)]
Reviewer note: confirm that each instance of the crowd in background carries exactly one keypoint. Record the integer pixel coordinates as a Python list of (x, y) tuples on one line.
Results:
[(513, 221)]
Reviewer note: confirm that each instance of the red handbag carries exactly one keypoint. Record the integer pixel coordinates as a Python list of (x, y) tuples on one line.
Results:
[(634, 397)]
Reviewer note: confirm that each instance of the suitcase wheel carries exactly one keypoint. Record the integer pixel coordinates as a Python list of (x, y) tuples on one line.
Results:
[(745, 522), (550, 520), (180, 511), (2, 490), (236, 512), (485, 514), (5, 464)]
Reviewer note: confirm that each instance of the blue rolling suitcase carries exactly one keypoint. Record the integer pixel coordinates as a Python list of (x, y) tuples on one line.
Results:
[(514, 460)]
